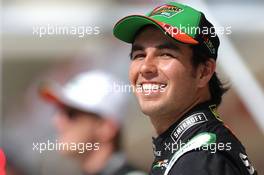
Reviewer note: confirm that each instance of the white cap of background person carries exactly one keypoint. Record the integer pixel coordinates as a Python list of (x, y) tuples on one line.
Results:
[(94, 91)]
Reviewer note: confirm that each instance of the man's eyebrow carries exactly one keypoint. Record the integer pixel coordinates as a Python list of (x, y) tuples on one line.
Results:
[(168, 45), (165, 45), (135, 47)]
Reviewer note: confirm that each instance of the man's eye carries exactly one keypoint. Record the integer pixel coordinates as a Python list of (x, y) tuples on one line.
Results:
[(138, 56), (167, 55)]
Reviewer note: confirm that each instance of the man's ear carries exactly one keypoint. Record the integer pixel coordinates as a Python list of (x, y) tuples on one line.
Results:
[(205, 72)]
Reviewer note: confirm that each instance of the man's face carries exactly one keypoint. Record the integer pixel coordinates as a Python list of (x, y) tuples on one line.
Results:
[(162, 69), (75, 127)]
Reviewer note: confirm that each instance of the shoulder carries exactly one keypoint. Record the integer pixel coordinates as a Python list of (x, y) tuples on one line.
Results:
[(214, 156)]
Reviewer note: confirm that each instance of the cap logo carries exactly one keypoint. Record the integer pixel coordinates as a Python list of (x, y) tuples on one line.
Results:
[(208, 44), (166, 10)]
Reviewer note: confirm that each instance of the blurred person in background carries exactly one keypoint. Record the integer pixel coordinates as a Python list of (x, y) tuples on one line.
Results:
[(90, 113), (180, 91)]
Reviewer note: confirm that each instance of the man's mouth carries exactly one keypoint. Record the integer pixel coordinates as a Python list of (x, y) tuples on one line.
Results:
[(152, 87)]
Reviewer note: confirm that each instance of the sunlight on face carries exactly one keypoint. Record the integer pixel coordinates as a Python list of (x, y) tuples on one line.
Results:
[(158, 61)]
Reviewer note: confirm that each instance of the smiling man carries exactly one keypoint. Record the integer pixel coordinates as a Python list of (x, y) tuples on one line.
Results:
[(173, 60)]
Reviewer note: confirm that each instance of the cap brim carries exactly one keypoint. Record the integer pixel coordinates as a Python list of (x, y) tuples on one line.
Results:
[(51, 92), (127, 28)]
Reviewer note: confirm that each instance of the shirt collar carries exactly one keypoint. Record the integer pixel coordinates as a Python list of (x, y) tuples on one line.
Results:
[(171, 138)]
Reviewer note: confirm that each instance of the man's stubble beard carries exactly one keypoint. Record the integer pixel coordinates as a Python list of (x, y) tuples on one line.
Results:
[(156, 109)]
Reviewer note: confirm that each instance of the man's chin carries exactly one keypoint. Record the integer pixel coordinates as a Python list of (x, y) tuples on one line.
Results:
[(69, 148), (150, 109)]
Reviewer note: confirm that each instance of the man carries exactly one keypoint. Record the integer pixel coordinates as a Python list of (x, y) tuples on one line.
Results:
[(90, 117), (173, 60)]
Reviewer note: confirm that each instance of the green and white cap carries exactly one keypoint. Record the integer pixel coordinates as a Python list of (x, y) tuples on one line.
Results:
[(180, 22)]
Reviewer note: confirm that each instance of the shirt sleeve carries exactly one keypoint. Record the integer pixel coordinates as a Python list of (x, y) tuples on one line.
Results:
[(204, 163)]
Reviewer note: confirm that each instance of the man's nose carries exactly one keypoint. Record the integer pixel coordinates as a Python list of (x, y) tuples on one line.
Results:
[(148, 68)]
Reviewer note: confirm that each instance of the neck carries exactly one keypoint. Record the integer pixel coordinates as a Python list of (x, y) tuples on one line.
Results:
[(95, 161), (162, 123)]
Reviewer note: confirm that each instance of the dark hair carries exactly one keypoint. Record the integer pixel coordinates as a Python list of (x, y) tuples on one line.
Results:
[(216, 87)]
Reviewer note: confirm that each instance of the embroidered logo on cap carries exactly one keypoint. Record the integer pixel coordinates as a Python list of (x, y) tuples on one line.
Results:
[(209, 44), (166, 10)]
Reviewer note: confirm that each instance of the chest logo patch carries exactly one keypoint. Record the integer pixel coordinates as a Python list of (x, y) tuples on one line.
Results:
[(161, 164)]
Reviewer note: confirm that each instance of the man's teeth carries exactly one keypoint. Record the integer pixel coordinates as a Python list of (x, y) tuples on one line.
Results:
[(151, 87)]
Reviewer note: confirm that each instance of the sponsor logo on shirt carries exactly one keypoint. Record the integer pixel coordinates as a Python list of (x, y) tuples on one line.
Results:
[(246, 162), (156, 153), (186, 124), (214, 111), (161, 164)]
